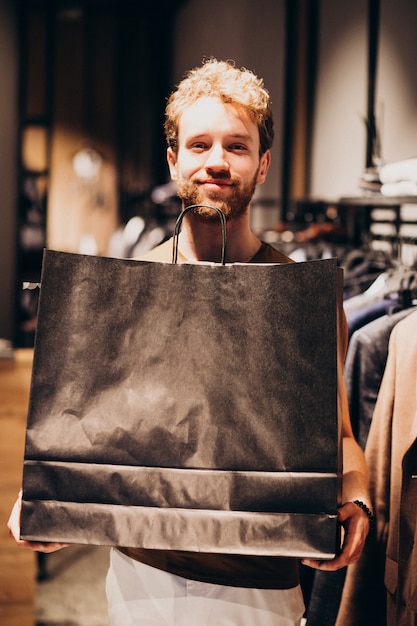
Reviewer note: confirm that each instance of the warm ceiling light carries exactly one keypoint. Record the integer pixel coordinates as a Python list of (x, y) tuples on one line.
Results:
[(87, 163)]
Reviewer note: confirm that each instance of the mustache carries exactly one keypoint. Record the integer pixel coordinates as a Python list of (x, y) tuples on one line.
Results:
[(216, 176)]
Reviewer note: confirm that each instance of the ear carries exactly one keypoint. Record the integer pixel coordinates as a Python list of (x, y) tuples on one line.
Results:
[(172, 163), (264, 164)]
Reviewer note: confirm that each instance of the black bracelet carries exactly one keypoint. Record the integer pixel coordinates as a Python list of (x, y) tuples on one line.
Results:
[(368, 512)]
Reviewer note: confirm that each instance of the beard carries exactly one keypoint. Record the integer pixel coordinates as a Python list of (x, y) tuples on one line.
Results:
[(192, 192)]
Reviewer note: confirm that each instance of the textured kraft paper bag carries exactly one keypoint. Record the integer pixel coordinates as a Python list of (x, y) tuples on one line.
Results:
[(185, 406)]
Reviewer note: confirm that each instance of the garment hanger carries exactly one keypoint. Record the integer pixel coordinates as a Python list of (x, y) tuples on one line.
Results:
[(401, 279)]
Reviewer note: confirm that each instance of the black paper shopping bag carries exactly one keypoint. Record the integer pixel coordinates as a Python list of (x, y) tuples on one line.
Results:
[(185, 406)]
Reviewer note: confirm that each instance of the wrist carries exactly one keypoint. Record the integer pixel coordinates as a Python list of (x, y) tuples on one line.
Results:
[(365, 508)]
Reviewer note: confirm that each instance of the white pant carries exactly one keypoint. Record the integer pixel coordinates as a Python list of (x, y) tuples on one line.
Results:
[(139, 595)]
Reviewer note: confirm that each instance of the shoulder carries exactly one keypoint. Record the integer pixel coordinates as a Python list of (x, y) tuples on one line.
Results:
[(403, 338), (162, 253), (404, 326), (265, 254), (269, 254)]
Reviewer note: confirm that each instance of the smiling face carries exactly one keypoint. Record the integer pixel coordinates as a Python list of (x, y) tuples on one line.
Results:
[(217, 161)]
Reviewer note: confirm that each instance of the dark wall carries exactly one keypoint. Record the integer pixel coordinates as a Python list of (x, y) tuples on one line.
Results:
[(8, 133)]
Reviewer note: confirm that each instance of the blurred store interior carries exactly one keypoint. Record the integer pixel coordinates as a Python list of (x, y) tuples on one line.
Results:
[(83, 89)]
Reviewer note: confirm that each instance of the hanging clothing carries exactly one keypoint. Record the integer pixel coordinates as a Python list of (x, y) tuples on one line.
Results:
[(364, 368), (369, 313), (381, 588)]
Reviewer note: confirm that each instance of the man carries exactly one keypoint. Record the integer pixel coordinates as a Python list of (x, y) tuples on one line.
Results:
[(219, 131)]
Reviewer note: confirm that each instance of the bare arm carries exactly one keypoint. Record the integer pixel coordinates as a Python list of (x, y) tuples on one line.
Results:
[(354, 520)]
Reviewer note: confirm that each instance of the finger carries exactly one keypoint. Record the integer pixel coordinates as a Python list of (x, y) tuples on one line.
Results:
[(356, 526), (45, 547), (38, 546), (325, 566)]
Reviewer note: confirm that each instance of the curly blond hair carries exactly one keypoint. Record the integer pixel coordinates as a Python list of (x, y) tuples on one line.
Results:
[(223, 80)]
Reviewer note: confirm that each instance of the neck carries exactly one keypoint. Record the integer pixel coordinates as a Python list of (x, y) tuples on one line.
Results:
[(201, 240)]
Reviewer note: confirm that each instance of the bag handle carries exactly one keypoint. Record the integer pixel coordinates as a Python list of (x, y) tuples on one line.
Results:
[(178, 223)]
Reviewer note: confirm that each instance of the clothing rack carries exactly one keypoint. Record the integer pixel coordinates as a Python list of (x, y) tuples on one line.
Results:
[(402, 248), (395, 239)]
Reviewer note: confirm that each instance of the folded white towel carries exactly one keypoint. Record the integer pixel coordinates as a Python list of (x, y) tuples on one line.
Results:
[(400, 170), (402, 188)]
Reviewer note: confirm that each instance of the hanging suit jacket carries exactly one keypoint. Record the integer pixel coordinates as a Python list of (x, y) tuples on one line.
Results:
[(381, 588), (364, 368)]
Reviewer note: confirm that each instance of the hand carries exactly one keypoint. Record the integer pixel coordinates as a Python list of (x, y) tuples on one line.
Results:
[(14, 529), (356, 527)]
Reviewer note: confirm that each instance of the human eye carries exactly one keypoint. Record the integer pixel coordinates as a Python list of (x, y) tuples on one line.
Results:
[(238, 147), (198, 146)]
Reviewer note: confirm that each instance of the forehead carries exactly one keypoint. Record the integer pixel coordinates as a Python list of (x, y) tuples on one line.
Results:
[(210, 115)]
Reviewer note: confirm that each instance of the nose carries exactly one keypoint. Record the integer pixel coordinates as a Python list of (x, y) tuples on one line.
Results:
[(217, 159)]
